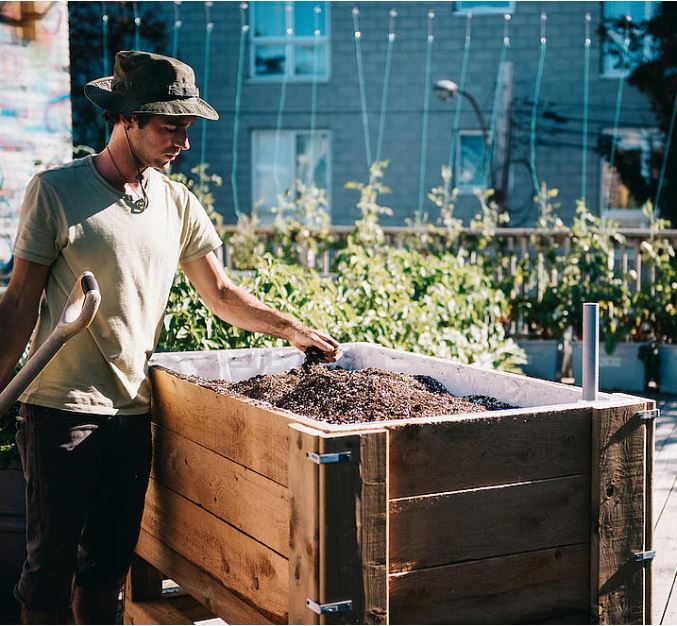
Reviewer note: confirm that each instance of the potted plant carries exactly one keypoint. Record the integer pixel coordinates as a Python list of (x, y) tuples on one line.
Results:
[(589, 276), (535, 297), (655, 306)]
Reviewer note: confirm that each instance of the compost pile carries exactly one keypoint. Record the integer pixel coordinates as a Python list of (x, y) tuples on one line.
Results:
[(342, 396)]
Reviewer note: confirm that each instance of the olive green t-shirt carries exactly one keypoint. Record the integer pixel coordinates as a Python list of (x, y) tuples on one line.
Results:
[(73, 220)]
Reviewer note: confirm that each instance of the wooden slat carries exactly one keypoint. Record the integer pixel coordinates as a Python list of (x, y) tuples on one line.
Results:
[(536, 586), (249, 435), (168, 610), (354, 520), (459, 526), (242, 564), (249, 501), (304, 527), (618, 479), (452, 455), (199, 584)]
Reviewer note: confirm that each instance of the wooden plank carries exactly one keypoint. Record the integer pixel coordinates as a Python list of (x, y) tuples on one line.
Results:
[(304, 527), (242, 564), (617, 508), (247, 434), (433, 530), (535, 586), (354, 523), (245, 499), (494, 450), (205, 588)]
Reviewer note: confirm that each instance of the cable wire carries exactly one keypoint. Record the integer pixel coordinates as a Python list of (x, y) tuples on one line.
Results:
[(489, 148), (426, 107), (461, 88), (363, 96), (666, 152), (313, 98), (386, 82), (617, 113), (207, 60), (289, 31), (244, 29), (137, 26), (176, 28), (104, 57), (586, 106), (534, 107)]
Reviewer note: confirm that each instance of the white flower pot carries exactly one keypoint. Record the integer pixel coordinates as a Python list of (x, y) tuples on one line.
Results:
[(619, 371), (544, 357), (668, 355)]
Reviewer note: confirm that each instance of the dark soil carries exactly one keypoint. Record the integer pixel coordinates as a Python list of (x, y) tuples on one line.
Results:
[(343, 396)]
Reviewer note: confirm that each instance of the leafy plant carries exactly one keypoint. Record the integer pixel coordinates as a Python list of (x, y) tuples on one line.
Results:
[(245, 245), (200, 183), (302, 223), (588, 276), (368, 233)]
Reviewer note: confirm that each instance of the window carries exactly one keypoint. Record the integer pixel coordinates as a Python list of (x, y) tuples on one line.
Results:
[(485, 7), (300, 155), (470, 160), (613, 44), (634, 177), (284, 42)]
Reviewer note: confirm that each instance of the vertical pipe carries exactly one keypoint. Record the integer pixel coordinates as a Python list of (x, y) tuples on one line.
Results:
[(590, 351)]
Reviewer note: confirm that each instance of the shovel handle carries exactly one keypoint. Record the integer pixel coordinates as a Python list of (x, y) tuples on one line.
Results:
[(81, 307)]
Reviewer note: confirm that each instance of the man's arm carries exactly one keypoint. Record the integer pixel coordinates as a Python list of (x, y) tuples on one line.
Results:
[(19, 312), (238, 307)]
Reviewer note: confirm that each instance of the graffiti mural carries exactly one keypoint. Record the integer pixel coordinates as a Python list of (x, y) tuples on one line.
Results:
[(35, 107)]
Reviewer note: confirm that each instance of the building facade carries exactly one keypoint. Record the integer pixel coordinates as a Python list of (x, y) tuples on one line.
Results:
[(304, 98)]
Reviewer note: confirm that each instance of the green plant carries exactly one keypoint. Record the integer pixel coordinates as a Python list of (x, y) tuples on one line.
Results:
[(368, 233), (302, 223), (200, 183), (588, 276), (245, 245), (654, 306)]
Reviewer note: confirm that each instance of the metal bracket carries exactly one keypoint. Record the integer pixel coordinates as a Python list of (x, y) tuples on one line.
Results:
[(331, 607), (647, 416), (332, 457), (648, 555)]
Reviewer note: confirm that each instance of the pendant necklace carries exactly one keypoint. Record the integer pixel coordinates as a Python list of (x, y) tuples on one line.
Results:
[(140, 204)]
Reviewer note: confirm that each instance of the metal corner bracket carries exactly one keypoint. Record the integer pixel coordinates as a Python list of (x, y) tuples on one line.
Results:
[(330, 607), (647, 555), (332, 457), (648, 415)]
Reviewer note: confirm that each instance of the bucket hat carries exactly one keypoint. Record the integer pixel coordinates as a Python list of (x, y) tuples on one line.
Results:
[(144, 82)]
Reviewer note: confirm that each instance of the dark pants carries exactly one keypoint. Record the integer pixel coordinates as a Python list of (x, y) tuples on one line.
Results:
[(86, 477)]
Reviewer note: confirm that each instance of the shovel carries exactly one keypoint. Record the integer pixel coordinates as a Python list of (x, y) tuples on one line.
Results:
[(83, 303)]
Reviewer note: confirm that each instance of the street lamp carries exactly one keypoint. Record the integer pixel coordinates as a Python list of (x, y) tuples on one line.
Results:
[(448, 89)]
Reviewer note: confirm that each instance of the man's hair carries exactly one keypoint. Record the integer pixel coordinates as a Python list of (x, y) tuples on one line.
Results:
[(116, 118)]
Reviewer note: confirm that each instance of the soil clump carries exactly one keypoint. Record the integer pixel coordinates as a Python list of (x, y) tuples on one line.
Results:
[(340, 396)]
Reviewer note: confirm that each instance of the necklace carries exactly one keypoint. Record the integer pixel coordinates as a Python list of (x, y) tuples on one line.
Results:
[(140, 204)]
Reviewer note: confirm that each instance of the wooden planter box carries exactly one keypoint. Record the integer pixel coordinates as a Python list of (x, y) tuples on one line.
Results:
[(531, 514)]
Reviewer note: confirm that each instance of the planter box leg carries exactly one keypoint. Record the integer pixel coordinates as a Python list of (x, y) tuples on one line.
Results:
[(619, 492), (144, 583), (349, 515)]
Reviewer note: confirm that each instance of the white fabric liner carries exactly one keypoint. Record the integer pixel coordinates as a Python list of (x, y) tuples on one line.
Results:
[(459, 379)]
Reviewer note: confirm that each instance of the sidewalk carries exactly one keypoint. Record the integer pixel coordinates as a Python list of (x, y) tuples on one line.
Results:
[(665, 513)]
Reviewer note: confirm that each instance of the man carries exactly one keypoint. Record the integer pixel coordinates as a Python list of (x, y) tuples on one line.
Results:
[(84, 422)]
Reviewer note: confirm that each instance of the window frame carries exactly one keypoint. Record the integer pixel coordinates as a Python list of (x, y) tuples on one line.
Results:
[(290, 44), (620, 214), (650, 7), (484, 10), (293, 133), (467, 190)]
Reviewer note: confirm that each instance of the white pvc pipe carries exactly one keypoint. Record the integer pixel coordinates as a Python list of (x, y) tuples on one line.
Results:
[(590, 351)]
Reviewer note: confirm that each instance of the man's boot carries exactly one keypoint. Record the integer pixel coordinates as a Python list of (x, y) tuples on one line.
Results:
[(94, 606)]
